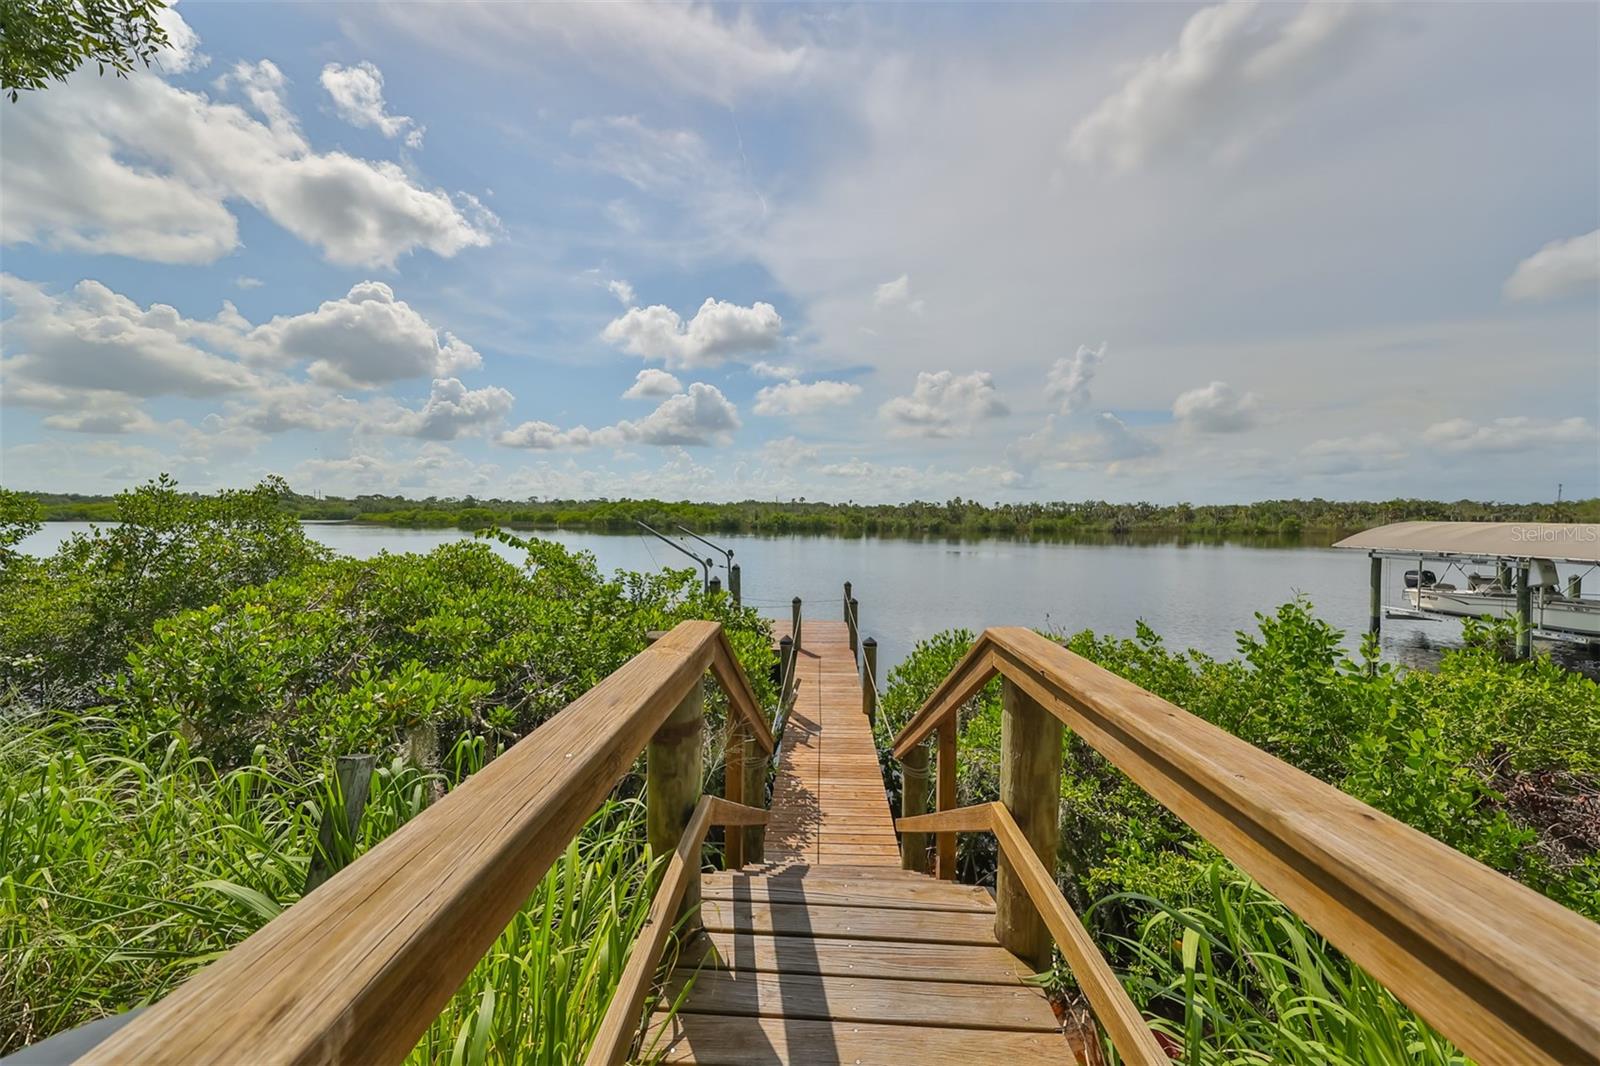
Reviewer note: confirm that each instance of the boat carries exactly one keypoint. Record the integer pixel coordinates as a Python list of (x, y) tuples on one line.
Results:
[(1509, 570), (1493, 596)]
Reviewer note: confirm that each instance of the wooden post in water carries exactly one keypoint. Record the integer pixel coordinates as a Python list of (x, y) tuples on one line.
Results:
[(673, 769), (1375, 598), (1030, 788), (1524, 613), (337, 832), (869, 680), (913, 801), (1375, 603), (733, 584), (946, 798)]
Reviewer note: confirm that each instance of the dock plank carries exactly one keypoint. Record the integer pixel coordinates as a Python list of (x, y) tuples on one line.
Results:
[(730, 1041)]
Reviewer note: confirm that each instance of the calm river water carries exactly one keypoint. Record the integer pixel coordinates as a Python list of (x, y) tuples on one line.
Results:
[(1194, 595)]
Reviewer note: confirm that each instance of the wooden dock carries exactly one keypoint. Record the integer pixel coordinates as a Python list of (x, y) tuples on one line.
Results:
[(823, 950), (828, 952)]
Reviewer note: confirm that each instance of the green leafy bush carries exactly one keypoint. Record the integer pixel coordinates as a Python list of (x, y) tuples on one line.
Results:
[(175, 690)]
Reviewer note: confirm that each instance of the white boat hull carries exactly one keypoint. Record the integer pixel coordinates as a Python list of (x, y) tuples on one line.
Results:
[(1559, 614)]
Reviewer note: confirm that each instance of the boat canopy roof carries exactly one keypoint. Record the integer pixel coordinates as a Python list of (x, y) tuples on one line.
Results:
[(1573, 542)]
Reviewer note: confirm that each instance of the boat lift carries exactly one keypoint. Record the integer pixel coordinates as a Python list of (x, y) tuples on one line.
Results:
[(1523, 554), (712, 583)]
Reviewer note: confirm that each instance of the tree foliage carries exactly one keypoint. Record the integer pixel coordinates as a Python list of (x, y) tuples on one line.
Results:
[(46, 40)]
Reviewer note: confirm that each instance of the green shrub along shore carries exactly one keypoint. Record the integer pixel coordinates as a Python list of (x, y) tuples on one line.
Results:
[(176, 685), (1315, 519)]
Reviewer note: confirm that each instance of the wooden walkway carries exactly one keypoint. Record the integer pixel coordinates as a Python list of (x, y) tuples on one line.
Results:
[(828, 803), (828, 952)]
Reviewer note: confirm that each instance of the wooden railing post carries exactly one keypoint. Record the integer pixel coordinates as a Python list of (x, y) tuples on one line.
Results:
[(914, 801), (337, 833), (785, 671), (854, 628), (794, 623), (755, 795), (734, 753), (673, 767), (847, 602), (1030, 789), (869, 680), (946, 798)]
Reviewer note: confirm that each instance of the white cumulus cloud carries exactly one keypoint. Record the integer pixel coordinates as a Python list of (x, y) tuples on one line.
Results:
[(452, 410), (702, 415), (1216, 408), (94, 339), (944, 404), (652, 383), (717, 331), (1561, 268), (140, 168), (368, 337), (1068, 380), (1237, 71), (357, 94), (795, 398)]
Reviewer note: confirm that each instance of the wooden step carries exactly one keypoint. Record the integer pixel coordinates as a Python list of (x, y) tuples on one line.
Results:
[(935, 1004), (724, 1041), (818, 889), (848, 923), (899, 959)]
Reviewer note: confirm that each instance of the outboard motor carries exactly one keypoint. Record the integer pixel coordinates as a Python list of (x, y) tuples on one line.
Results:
[(1428, 578)]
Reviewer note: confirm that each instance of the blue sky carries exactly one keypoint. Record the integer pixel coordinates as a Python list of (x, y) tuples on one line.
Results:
[(878, 252)]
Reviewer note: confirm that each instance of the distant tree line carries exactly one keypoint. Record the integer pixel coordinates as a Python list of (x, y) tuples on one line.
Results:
[(955, 517)]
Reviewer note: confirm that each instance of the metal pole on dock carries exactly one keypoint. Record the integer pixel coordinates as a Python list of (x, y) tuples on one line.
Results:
[(1524, 613)]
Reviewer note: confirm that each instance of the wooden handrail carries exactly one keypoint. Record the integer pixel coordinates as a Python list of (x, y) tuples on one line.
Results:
[(741, 697), (358, 969), (1121, 1019), (1507, 974), (614, 1038)]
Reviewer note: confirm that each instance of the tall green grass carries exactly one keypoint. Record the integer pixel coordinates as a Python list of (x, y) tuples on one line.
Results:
[(125, 866), (1237, 978)]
